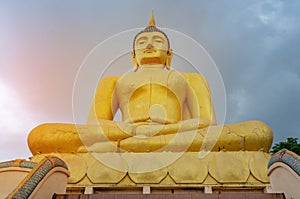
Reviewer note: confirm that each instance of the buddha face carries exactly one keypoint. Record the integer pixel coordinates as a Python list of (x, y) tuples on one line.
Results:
[(151, 48)]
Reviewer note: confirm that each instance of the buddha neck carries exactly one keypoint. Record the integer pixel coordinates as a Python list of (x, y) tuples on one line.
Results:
[(152, 67)]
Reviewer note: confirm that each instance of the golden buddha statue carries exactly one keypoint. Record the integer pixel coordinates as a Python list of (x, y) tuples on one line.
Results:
[(167, 119), (162, 110)]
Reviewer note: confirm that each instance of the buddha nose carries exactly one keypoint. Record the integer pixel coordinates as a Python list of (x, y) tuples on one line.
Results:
[(150, 46)]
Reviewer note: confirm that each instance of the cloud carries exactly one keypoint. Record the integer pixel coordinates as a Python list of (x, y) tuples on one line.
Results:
[(15, 123), (265, 84)]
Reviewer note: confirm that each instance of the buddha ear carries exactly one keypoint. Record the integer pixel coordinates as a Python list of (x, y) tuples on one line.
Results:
[(135, 64), (169, 58)]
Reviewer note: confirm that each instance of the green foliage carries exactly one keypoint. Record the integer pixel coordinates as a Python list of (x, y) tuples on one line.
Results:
[(290, 144)]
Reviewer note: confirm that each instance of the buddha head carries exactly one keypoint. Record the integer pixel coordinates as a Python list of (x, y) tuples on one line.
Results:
[(151, 46)]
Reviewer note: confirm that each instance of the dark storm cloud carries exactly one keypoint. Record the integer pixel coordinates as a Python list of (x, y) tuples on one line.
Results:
[(262, 66)]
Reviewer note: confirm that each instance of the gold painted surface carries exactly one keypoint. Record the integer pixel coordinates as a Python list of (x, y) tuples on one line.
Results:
[(77, 167), (103, 147), (166, 168), (142, 144), (153, 96), (167, 181), (37, 158), (112, 160), (250, 136), (232, 138), (189, 168), (254, 181), (229, 167), (152, 20), (84, 181), (164, 104), (48, 138), (105, 167), (259, 166), (102, 106), (204, 103), (147, 162), (126, 181), (210, 180), (87, 157), (171, 142), (100, 173), (255, 135), (147, 167), (228, 140), (153, 177)]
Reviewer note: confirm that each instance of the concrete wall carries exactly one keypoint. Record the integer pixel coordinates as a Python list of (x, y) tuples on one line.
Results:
[(284, 179)]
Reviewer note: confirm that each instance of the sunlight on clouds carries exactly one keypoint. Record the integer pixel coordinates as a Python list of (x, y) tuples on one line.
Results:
[(9, 109), (15, 124)]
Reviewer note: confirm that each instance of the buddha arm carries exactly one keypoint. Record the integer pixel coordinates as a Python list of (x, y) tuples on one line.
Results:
[(103, 109), (199, 100), (104, 105)]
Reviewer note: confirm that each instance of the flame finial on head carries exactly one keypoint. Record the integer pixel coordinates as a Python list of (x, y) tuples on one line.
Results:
[(152, 20)]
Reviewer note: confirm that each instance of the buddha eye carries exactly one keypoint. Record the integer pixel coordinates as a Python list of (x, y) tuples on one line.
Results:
[(141, 42), (158, 40)]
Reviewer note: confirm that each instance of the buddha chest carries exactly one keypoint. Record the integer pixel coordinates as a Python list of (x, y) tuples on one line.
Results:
[(152, 96)]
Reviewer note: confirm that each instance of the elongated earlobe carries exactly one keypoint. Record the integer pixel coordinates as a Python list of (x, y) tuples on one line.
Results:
[(169, 59), (135, 64)]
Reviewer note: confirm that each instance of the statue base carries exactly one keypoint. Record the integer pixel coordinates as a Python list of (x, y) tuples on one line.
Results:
[(165, 171)]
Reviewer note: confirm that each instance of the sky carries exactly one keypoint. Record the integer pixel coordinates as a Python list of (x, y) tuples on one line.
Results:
[(254, 44)]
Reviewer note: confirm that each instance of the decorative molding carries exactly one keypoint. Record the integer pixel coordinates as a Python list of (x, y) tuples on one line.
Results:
[(287, 157), (17, 163), (36, 175)]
